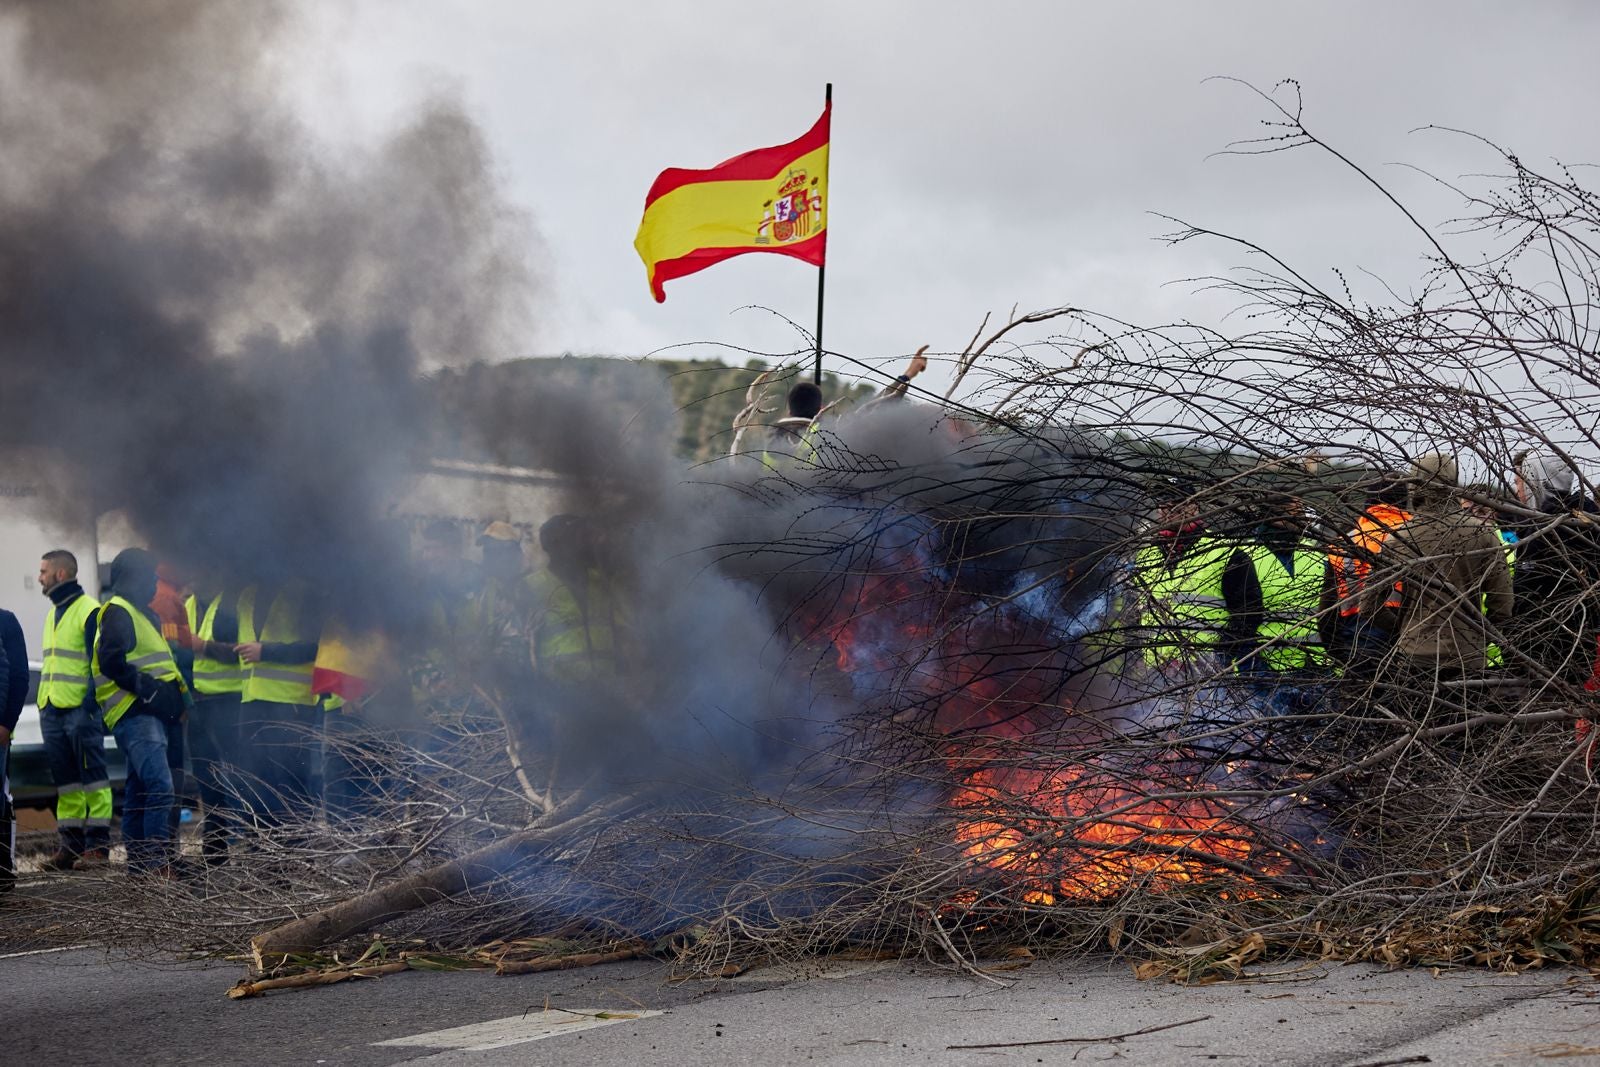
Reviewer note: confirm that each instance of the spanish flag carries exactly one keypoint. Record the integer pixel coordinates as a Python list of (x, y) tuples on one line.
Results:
[(768, 200), (349, 664)]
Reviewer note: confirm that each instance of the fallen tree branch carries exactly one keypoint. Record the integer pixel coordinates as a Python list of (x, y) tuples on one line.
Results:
[(582, 959), (1114, 1038), (359, 914), (247, 988)]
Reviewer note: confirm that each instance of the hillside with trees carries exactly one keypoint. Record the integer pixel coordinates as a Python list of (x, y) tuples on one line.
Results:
[(693, 402)]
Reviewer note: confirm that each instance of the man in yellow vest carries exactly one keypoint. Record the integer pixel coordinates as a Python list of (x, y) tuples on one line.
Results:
[(577, 617), (1184, 617), (69, 718), (215, 738), (140, 691), (282, 715), (793, 437), (1274, 590)]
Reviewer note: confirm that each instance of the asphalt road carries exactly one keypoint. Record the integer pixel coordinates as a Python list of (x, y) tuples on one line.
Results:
[(81, 1008)]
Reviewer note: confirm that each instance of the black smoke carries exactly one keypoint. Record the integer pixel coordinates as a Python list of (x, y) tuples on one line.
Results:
[(217, 318)]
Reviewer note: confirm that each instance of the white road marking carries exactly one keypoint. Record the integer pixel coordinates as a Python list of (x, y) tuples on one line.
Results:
[(517, 1029), (41, 951)]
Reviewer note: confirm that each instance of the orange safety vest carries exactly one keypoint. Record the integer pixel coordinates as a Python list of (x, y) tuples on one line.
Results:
[(1350, 571)]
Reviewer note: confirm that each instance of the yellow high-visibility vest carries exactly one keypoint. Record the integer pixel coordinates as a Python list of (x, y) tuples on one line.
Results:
[(1289, 605), (1184, 612), (150, 655), (574, 639), (212, 677), (280, 683), (65, 677)]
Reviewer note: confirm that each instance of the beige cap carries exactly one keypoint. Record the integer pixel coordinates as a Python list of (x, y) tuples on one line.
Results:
[(1435, 469), (500, 531)]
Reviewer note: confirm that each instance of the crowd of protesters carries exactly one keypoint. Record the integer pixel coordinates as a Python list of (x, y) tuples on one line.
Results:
[(1431, 584), (239, 687)]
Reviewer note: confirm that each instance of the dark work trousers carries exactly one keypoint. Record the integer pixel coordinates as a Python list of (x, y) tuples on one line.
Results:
[(355, 767), (75, 746), (284, 746), (8, 824), (177, 758), (215, 750)]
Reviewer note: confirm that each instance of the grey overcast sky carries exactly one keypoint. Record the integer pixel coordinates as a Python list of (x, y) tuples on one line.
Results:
[(984, 155)]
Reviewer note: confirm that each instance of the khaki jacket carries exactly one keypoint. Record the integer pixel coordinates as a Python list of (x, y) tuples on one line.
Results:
[(1454, 573)]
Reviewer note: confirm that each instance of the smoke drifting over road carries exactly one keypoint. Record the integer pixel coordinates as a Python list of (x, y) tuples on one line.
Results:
[(220, 322), (217, 318)]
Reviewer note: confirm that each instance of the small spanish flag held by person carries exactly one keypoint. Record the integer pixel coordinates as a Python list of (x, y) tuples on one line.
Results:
[(767, 200), (349, 664)]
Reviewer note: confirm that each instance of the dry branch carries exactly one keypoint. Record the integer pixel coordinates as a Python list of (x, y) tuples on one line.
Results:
[(581, 959), (441, 882)]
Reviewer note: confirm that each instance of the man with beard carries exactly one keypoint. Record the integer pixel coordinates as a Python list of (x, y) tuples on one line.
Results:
[(69, 718)]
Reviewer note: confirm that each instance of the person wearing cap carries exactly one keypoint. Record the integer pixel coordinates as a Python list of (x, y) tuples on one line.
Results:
[(1558, 568), (1451, 573), (503, 562), (140, 690), (498, 611)]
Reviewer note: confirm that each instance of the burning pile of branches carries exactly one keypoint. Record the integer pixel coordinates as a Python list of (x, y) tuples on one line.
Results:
[(900, 692)]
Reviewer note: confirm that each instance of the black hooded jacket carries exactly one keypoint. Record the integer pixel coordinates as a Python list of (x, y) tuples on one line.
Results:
[(13, 671), (136, 583)]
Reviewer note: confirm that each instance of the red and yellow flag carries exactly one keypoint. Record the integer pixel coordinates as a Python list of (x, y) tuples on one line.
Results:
[(349, 664), (769, 200)]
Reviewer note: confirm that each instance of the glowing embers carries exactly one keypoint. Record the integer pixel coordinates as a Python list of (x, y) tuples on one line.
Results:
[(1088, 833)]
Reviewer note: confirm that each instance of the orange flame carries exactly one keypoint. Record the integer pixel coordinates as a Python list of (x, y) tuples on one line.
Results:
[(1072, 833)]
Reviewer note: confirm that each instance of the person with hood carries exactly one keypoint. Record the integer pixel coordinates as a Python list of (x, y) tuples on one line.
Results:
[(140, 692), (1558, 566), (1273, 588), (13, 695), (1452, 576)]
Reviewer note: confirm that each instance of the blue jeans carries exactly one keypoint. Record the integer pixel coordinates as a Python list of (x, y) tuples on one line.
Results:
[(147, 797)]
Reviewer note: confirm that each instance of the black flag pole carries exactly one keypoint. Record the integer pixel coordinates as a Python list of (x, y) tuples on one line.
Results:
[(827, 209)]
